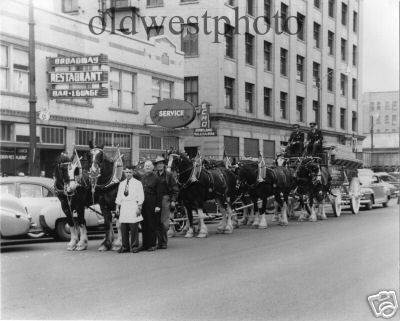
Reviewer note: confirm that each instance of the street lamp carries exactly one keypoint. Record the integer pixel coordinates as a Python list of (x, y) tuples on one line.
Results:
[(347, 71)]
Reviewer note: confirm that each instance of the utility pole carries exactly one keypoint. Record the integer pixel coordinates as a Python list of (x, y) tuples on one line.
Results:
[(33, 166), (372, 137)]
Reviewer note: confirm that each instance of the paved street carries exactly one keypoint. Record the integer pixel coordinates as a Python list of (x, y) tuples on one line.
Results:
[(306, 271)]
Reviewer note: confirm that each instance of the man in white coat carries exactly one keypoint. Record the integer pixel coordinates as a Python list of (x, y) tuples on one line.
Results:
[(129, 207)]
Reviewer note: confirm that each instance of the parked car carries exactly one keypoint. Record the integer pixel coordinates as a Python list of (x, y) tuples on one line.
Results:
[(37, 195), (393, 182), (374, 191), (14, 219), (53, 221)]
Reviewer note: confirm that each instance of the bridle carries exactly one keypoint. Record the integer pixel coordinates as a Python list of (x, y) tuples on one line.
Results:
[(191, 178)]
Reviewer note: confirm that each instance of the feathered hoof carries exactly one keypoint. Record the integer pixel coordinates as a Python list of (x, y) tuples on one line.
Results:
[(312, 219), (322, 218), (302, 219), (103, 248), (275, 218), (262, 226), (228, 230), (202, 235), (221, 229), (283, 223), (243, 221), (255, 225), (116, 247), (250, 223), (189, 233), (170, 233), (82, 246), (71, 246)]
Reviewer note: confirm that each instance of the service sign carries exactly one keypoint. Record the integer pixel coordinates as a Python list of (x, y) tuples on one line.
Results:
[(172, 113)]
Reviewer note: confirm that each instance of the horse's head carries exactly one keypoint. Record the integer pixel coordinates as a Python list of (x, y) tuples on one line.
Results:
[(96, 160), (281, 161), (246, 172), (68, 173), (310, 170)]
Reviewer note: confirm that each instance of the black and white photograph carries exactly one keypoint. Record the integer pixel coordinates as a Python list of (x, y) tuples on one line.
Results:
[(199, 160)]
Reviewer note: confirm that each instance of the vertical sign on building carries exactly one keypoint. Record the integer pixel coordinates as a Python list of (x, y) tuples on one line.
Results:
[(205, 122)]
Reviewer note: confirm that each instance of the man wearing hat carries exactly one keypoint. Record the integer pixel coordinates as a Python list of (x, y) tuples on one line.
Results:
[(169, 191), (296, 141), (314, 140)]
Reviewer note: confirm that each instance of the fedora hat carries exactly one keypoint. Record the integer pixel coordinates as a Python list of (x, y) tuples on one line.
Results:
[(313, 123), (296, 126), (159, 159)]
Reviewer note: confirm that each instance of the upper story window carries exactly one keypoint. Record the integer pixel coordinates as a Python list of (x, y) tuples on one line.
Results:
[(249, 97), (283, 104), (5, 132), (229, 41), (249, 49), (316, 73), (330, 79), (344, 14), (394, 105), (343, 84), (284, 61), (53, 135), (250, 7), (190, 39), (343, 51), (300, 68), (355, 21), (354, 55), (69, 6), (317, 4), (267, 101), (331, 43), (14, 77), (267, 55), (284, 16), (192, 90), (301, 26), (299, 109), (267, 11), (317, 33), (122, 88), (342, 118), (371, 106), (161, 89), (230, 2), (331, 8), (155, 2), (229, 92)]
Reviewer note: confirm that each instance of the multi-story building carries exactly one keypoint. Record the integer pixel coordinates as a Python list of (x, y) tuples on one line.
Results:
[(383, 109), (294, 56), (138, 73)]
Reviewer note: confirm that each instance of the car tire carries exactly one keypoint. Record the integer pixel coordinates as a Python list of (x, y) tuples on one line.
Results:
[(368, 206), (386, 203), (62, 230)]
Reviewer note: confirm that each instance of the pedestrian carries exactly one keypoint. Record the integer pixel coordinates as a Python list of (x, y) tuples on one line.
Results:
[(296, 142), (129, 206), (151, 206), (314, 140), (169, 192)]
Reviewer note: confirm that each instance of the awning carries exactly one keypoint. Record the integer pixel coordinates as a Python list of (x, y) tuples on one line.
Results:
[(347, 162)]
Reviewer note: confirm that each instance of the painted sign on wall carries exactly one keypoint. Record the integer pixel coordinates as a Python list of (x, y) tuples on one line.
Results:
[(205, 123), (172, 113)]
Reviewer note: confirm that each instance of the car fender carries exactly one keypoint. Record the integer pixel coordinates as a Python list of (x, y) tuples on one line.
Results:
[(14, 223), (51, 213)]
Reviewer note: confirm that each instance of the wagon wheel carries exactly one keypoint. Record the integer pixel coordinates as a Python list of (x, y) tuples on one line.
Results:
[(336, 202), (355, 192)]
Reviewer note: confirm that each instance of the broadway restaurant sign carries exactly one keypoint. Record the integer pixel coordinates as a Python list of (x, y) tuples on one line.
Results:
[(73, 83)]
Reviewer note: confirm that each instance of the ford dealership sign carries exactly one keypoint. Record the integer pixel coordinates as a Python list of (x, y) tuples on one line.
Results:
[(172, 113)]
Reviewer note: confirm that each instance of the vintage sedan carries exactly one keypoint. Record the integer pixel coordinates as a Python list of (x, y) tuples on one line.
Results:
[(392, 182), (14, 219), (374, 191)]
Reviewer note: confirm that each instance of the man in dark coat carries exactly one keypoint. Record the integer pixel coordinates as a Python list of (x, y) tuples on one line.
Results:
[(314, 140), (296, 142), (169, 192)]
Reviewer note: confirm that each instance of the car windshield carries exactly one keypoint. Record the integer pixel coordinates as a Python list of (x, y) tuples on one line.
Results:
[(388, 178), (8, 188)]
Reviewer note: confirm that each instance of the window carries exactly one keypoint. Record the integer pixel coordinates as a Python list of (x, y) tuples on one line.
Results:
[(161, 89), (301, 26), (231, 147), (122, 88), (190, 41), (317, 4), (155, 31), (354, 121), (394, 105), (267, 11), (230, 2), (19, 71), (284, 17), (249, 48), (316, 111), (269, 149), (317, 29), (371, 106), (331, 43), (387, 105), (354, 55), (343, 84), (378, 119), (331, 8), (155, 2), (69, 6), (342, 118), (267, 101), (283, 104), (229, 92), (4, 68), (300, 68), (354, 89), (344, 14), (251, 148), (267, 55), (229, 44), (52, 135), (191, 88), (249, 88), (378, 105), (299, 108), (386, 119), (284, 54), (355, 21), (250, 7), (330, 115), (330, 79), (394, 120), (316, 72), (5, 132), (30, 190), (343, 44)]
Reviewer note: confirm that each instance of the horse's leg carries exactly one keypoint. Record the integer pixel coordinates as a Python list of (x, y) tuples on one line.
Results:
[(203, 231), (322, 214), (303, 205), (256, 221), (189, 210), (313, 216), (229, 225), (72, 226), (251, 215), (263, 219), (106, 245), (275, 218), (117, 243), (83, 238), (222, 225), (284, 218)]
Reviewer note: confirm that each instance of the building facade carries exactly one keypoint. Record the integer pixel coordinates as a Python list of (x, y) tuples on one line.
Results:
[(137, 73), (381, 112), (264, 65)]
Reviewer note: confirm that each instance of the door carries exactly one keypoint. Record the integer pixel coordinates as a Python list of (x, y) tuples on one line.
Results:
[(378, 188)]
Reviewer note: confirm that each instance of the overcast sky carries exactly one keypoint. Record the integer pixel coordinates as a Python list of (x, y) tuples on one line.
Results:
[(381, 45)]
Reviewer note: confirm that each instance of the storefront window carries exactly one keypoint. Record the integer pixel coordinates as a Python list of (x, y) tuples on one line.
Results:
[(53, 135)]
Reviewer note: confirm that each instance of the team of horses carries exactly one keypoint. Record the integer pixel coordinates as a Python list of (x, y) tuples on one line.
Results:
[(248, 182)]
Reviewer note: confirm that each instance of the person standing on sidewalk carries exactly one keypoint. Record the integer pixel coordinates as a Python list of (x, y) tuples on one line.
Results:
[(169, 192), (129, 202), (151, 206)]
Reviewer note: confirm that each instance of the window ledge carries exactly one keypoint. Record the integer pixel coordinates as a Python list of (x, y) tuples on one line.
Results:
[(128, 111), (192, 56), (189, 2), (14, 94), (251, 66), (268, 71), (150, 6), (300, 82), (230, 59), (72, 103), (229, 6)]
